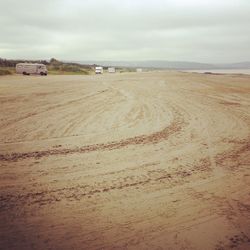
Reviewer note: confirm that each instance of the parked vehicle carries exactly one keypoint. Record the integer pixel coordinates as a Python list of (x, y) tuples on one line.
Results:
[(31, 68), (99, 70), (111, 70)]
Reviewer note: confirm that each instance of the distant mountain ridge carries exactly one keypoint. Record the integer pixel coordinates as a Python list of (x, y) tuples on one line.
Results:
[(150, 64), (161, 64)]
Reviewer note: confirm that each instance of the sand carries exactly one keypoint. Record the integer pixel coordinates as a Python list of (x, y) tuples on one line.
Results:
[(156, 160)]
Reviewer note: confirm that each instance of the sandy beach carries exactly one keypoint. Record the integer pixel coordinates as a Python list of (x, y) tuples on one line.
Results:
[(156, 160)]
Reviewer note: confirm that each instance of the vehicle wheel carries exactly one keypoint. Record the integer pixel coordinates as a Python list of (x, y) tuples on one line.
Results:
[(24, 73), (41, 73)]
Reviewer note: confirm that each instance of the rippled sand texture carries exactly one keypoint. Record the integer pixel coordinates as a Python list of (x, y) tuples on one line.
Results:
[(157, 160)]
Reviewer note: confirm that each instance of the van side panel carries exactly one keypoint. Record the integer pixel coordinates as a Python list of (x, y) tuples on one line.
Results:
[(31, 68)]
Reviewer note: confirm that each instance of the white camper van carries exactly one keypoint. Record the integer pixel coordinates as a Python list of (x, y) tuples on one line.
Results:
[(99, 70), (111, 70), (139, 70), (31, 68)]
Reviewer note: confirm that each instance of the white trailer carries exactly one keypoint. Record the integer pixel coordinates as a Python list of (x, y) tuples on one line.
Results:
[(111, 70), (31, 68), (99, 70), (138, 70)]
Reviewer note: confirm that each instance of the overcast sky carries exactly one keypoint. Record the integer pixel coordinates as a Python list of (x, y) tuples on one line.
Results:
[(180, 30)]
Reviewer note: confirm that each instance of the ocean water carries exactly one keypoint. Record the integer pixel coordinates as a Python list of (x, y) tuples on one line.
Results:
[(222, 71)]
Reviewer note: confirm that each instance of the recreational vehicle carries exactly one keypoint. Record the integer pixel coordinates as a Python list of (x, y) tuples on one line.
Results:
[(111, 70), (98, 70), (31, 68)]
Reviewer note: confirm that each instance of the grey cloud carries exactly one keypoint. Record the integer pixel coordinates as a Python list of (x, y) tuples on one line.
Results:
[(136, 30)]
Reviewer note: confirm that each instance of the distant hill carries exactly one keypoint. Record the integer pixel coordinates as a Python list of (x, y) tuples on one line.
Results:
[(54, 64), (160, 64)]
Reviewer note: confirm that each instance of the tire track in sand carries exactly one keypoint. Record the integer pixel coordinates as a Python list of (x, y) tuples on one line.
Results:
[(176, 126)]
